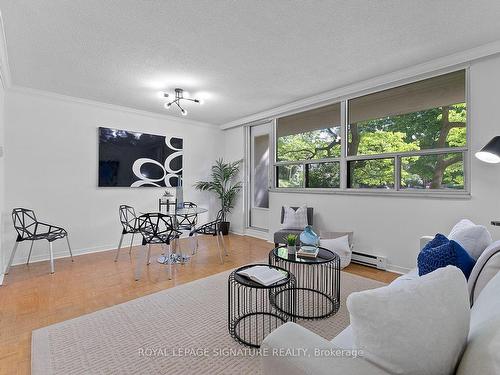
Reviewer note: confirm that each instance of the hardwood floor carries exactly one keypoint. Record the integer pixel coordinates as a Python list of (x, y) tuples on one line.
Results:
[(32, 298)]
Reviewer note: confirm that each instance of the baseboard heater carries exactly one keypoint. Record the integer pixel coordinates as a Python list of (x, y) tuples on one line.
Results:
[(375, 261)]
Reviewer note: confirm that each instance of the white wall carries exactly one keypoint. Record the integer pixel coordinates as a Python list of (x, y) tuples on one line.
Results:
[(51, 166), (2, 170), (391, 226), (234, 149)]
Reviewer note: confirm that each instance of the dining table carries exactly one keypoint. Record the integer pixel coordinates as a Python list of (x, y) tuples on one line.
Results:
[(174, 257)]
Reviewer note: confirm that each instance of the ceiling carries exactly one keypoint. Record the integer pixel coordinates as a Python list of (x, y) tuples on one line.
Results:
[(242, 56)]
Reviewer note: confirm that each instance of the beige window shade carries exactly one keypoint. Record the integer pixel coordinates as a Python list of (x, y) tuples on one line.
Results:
[(319, 118), (430, 93)]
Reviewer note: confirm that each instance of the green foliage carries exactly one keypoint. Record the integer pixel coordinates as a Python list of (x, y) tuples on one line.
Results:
[(316, 144), (221, 183), (324, 175), (291, 239)]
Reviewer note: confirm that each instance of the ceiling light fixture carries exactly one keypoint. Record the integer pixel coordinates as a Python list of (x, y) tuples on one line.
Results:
[(179, 95)]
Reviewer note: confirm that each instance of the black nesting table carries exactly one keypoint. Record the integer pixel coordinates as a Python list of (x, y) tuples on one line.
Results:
[(317, 288), (255, 310)]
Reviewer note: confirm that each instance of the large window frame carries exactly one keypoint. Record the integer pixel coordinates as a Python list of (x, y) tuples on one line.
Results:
[(344, 159)]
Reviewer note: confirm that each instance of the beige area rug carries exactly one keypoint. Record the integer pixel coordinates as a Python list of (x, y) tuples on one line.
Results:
[(182, 330)]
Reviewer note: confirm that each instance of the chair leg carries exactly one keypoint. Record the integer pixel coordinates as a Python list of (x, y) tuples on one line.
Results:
[(11, 257), (119, 246), (29, 255), (220, 252), (223, 244), (69, 248), (193, 245), (149, 255), (169, 247), (51, 253), (139, 264), (131, 243)]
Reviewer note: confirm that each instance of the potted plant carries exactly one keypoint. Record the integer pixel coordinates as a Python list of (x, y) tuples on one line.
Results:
[(291, 243), (222, 184)]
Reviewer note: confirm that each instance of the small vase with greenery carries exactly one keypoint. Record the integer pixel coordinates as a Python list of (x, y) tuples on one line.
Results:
[(291, 243), (223, 185)]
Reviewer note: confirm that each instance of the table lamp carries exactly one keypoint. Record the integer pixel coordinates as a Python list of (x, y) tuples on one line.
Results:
[(491, 154)]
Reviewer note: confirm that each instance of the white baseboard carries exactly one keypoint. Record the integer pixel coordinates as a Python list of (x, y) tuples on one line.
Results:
[(263, 235), (1, 278), (398, 269), (62, 254)]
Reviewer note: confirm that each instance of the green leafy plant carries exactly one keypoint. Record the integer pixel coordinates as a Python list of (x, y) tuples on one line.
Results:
[(221, 183), (291, 239)]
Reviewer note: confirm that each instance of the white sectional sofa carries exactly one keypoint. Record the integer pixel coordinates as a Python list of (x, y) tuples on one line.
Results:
[(481, 354)]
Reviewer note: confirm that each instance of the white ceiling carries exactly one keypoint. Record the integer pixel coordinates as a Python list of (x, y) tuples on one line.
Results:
[(246, 56)]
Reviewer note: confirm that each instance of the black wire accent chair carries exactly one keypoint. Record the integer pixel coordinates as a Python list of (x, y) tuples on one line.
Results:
[(213, 228), (158, 228), (28, 228), (187, 222), (128, 219)]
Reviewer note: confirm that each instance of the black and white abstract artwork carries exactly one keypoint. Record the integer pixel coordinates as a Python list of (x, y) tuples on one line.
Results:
[(133, 159)]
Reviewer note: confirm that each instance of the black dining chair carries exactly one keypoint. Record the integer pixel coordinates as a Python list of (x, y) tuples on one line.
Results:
[(213, 228), (158, 228), (128, 220), (28, 228), (186, 222)]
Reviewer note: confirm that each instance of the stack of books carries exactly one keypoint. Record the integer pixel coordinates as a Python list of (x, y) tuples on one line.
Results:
[(308, 252)]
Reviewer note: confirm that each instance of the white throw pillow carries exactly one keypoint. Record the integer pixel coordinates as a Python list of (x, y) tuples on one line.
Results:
[(473, 238), (294, 219), (340, 246), (416, 327)]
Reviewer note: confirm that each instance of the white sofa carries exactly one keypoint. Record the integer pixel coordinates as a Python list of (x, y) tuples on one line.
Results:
[(481, 355)]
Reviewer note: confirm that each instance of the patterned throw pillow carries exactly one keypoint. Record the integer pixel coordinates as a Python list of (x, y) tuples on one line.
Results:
[(294, 219), (441, 252)]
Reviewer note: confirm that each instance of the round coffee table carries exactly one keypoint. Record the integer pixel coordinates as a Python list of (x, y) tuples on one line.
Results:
[(255, 310), (317, 289)]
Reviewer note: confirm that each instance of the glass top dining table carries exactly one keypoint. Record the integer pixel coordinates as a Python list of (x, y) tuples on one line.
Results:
[(185, 211), (182, 211)]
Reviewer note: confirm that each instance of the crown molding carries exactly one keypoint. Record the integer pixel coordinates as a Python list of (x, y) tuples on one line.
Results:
[(102, 105), (436, 65)]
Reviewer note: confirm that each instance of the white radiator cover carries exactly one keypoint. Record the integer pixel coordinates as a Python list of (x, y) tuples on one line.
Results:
[(375, 261)]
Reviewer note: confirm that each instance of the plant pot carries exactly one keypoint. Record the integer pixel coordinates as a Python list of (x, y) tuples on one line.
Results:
[(224, 227), (291, 249)]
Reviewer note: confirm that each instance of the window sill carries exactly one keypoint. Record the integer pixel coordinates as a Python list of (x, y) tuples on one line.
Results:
[(425, 194)]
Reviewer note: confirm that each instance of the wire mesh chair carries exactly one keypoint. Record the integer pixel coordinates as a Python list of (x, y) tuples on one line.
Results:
[(128, 219), (158, 228), (187, 221), (213, 228), (28, 228)]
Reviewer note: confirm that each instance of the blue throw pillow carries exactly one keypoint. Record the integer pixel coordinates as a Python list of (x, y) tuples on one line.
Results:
[(441, 252)]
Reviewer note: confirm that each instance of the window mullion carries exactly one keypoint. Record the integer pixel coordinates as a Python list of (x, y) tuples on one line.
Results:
[(343, 144), (397, 172)]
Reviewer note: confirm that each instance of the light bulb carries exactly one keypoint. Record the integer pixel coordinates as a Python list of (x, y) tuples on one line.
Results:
[(167, 105), (184, 112)]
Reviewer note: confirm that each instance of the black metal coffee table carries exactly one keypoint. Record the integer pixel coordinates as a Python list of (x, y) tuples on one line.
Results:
[(317, 289), (255, 310)]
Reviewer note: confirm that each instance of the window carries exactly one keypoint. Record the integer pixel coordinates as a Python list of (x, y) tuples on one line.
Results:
[(408, 138), (307, 136), (412, 120)]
